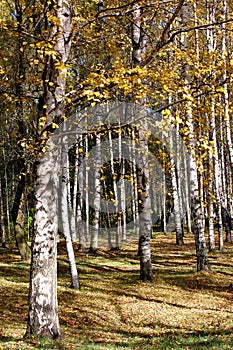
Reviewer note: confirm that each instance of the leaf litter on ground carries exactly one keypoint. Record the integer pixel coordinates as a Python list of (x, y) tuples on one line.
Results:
[(180, 309)]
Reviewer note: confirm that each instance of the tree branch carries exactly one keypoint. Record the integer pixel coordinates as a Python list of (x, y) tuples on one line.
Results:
[(162, 42)]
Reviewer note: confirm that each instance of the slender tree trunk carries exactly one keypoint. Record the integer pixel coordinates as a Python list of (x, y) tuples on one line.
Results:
[(228, 128), (65, 219), (218, 181), (226, 93), (86, 178), (176, 197), (145, 221), (2, 224), (78, 194), (197, 215), (135, 209), (70, 204), (187, 193), (115, 191), (212, 135), (18, 220), (195, 202), (211, 205), (96, 201), (7, 197), (20, 236)]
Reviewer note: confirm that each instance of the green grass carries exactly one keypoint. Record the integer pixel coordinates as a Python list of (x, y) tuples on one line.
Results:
[(180, 309)]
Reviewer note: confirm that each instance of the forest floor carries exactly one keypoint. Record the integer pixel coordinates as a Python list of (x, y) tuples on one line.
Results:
[(180, 309)]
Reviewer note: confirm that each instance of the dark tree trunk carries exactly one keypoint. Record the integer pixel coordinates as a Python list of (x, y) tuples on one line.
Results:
[(21, 242)]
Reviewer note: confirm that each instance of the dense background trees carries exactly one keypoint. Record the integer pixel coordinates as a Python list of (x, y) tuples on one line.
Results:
[(58, 58)]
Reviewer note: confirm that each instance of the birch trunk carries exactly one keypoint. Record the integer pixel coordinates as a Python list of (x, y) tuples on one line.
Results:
[(176, 196), (218, 179), (87, 192), (115, 192), (43, 306), (228, 124), (70, 204), (135, 209), (145, 221), (198, 227), (212, 134), (226, 94), (187, 194), (195, 202), (65, 212), (96, 201), (78, 194), (211, 205)]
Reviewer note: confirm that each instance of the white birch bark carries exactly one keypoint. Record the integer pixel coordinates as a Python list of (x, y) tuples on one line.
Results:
[(123, 203), (187, 194), (78, 193), (115, 191), (196, 209), (217, 178), (216, 160), (226, 94), (195, 203), (228, 126), (145, 222), (43, 306), (86, 178), (96, 202), (70, 205), (65, 215), (135, 208), (211, 185), (211, 213), (175, 190), (164, 204)]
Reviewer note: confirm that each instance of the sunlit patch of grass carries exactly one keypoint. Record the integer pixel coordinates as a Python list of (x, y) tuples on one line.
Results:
[(180, 309)]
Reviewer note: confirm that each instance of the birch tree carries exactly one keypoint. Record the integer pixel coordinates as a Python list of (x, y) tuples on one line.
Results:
[(66, 213), (145, 223), (195, 202), (43, 306)]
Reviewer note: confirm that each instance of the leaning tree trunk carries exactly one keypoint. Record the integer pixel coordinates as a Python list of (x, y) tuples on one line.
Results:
[(43, 306), (78, 193), (65, 215)]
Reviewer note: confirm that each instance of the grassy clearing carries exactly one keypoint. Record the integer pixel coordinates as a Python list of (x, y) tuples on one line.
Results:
[(180, 309)]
